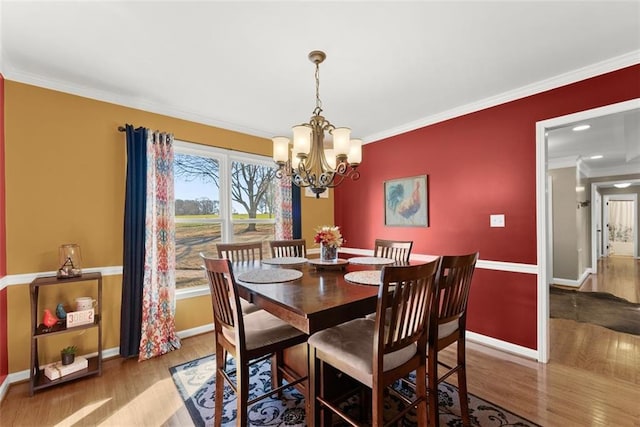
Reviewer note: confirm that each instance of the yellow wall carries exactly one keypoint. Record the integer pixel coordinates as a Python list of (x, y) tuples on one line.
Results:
[(315, 213), (65, 180)]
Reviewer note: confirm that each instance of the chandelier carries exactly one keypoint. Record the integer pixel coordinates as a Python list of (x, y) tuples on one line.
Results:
[(308, 162)]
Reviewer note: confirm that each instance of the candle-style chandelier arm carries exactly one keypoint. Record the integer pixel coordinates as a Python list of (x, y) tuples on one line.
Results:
[(309, 163)]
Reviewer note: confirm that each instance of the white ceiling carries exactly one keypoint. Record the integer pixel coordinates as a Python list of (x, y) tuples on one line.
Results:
[(391, 66)]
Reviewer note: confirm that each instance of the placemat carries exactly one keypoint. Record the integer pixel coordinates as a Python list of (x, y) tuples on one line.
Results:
[(366, 277), (371, 260), (285, 260), (271, 275)]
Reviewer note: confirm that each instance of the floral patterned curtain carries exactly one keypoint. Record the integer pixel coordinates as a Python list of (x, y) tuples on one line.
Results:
[(158, 295), (283, 208)]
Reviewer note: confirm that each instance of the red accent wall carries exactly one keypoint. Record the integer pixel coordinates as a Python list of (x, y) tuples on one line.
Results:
[(4, 368), (478, 164)]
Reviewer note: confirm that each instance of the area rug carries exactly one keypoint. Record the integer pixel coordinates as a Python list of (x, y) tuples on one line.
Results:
[(599, 308), (195, 381)]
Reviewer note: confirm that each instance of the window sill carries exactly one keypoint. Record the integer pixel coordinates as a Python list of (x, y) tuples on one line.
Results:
[(192, 292)]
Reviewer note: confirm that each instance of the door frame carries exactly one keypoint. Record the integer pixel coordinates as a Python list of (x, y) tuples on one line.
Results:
[(542, 224)]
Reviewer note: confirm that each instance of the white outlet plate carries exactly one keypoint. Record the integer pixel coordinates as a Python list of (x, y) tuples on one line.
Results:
[(496, 220)]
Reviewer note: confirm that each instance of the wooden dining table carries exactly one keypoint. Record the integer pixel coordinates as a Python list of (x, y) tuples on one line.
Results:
[(320, 299)]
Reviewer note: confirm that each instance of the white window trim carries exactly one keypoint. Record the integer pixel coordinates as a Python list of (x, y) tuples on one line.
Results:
[(225, 158)]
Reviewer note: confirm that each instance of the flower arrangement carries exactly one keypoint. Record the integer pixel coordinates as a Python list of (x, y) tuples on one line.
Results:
[(329, 236)]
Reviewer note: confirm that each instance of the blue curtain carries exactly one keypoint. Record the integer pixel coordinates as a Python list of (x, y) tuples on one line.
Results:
[(134, 238), (296, 211)]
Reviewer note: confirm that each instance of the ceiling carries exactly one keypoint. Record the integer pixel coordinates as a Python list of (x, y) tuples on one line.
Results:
[(391, 66)]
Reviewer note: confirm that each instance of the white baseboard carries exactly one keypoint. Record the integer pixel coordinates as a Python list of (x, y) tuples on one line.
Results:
[(502, 345), (573, 283), (4, 387), (195, 331)]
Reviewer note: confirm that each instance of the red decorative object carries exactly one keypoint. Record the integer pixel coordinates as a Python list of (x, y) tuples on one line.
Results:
[(49, 319)]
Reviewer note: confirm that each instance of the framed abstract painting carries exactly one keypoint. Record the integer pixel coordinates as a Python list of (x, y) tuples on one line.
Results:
[(406, 202)]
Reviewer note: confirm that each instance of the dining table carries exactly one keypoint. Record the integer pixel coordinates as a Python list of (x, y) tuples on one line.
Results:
[(319, 298)]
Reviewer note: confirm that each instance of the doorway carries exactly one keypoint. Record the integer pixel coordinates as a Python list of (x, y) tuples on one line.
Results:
[(544, 222), (620, 220)]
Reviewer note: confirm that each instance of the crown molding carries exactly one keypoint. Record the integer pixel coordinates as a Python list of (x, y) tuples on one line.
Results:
[(562, 162), (127, 101), (609, 65), (592, 70)]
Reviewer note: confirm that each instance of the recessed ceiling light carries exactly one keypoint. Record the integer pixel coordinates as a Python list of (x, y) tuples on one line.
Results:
[(596, 157), (581, 127), (622, 185)]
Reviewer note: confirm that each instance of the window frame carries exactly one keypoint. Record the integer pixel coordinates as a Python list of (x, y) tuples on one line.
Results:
[(225, 158)]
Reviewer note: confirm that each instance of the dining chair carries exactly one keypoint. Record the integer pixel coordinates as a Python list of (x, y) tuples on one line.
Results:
[(247, 338), (448, 326), (399, 250), (240, 252), (288, 248), (378, 352)]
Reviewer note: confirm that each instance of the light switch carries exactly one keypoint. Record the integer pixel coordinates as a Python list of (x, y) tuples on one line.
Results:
[(496, 220)]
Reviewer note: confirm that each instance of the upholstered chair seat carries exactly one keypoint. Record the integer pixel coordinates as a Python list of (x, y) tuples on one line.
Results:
[(351, 343)]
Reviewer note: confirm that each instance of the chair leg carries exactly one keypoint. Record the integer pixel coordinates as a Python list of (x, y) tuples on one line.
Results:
[(462, 383), (219, 398), (432, 386), (421, 391), (314, 387), (276, 374), (377, 406), (242, 381)]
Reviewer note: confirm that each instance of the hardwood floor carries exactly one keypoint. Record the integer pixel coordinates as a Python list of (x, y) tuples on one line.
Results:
[(592, 379), (617, 275), (559, 393)]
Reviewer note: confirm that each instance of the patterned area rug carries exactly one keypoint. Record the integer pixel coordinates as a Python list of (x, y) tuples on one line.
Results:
[(195, 381)]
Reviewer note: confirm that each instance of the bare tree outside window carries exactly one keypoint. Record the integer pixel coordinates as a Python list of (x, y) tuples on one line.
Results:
[(199, 224)]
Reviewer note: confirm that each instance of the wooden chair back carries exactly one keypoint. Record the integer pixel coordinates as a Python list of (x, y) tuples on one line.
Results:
[(240, 252), (227, 313), (405, 299), (454, 284), (399, 250), (288, 248)]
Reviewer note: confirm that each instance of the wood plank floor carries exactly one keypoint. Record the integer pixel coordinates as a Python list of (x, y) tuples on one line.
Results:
[(592, 379), (617, 275), (582, 388)]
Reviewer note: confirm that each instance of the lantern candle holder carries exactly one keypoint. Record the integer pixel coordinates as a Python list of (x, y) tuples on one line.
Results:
[(70, 261)]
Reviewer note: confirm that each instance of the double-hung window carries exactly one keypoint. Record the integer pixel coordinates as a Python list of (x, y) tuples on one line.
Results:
[(220, 196)]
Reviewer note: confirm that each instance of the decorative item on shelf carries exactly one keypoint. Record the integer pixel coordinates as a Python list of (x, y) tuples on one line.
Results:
[(70, 261), (311, 165), (57, 370), (61, 313), (49, 320), (85, 303), (330, 239), (81, 317), (68, 354)]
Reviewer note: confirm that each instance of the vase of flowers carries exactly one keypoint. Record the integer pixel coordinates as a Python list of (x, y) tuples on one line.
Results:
[(330, 239)]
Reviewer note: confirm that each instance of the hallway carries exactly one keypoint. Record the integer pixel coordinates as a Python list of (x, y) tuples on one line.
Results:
[(594, 348), (617, 275)]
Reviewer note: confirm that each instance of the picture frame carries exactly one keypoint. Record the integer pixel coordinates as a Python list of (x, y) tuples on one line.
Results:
[(406, 202)]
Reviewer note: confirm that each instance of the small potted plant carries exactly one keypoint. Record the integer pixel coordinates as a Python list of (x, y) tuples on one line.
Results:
[(68, 354)]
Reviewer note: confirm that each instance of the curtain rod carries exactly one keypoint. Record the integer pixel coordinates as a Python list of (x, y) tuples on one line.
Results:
[(121, 129)]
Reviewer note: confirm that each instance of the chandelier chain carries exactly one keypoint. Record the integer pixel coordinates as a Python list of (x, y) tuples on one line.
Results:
[(318, 101)]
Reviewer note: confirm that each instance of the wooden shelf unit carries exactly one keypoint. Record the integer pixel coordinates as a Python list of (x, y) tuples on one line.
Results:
[(37, 379)]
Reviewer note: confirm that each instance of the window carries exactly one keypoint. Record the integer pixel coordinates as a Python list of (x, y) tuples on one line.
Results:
[(220, 196)]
